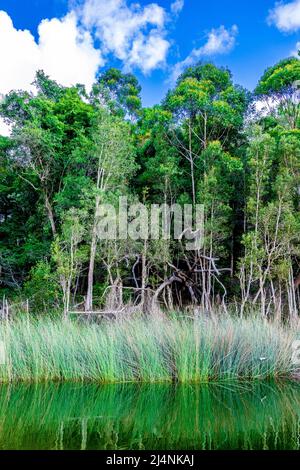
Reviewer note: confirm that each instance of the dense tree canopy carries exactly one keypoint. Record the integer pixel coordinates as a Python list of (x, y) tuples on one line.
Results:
[(280, 86), (70, 151)]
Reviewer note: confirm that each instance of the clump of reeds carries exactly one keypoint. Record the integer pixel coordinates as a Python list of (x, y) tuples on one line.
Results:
[(145, 350)]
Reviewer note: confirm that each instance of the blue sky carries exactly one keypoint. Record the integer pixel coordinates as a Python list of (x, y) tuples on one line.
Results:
[(153, 40)]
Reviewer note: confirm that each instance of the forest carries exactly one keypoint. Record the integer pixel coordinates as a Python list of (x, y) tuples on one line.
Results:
[(75, 306), (209, 141)]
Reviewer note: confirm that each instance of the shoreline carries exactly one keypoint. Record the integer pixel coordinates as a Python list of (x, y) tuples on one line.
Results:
[(147, 350)]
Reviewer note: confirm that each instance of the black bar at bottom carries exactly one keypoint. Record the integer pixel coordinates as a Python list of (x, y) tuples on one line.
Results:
[(149, 459)]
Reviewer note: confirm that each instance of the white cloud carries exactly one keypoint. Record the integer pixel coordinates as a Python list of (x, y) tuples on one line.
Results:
[(148, 53), (133, 34), (19, 56), (4, 128), (65, 48), (177, 6), (68, 53), (286, 16), (63, 51), (295, 52), (219, 41)]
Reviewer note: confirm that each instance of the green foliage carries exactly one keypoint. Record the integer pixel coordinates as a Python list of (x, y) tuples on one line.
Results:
[(121, 92), (47, 87), (41, 289), (207, 92), (70, 151), (279, 77), (145, 350), (280, 85)]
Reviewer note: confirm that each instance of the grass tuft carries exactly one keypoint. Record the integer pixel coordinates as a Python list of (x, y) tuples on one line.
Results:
[(145, 350)]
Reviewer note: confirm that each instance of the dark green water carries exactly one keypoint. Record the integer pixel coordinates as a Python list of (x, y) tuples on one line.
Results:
[(231, 416)]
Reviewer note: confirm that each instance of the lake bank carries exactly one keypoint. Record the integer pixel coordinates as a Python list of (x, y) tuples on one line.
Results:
[(145, 350)]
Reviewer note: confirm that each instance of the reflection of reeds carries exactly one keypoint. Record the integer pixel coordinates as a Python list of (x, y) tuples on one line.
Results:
[(73, 416), (145, 350)]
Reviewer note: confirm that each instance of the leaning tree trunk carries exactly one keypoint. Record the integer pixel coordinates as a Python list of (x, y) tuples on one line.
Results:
[(50, 215)]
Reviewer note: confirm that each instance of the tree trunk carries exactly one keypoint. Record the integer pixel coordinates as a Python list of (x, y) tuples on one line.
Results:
[(89, 294), (192, 164), (144, 276), (50, 215)]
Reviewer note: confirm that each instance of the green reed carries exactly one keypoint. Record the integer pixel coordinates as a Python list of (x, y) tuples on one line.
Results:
[(145, 350), (256, 415)]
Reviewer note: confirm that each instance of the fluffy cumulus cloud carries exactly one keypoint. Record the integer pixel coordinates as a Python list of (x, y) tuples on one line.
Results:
[(63, 51), (219, 41), (132, 33), (286, 16), (67, 52), (19, 56), (147, 53), (71, 49)]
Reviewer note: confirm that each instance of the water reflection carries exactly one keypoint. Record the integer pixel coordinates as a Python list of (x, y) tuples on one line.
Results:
[(230, 416)]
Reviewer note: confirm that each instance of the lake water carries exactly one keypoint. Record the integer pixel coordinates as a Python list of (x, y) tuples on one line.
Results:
[(156, 417)]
